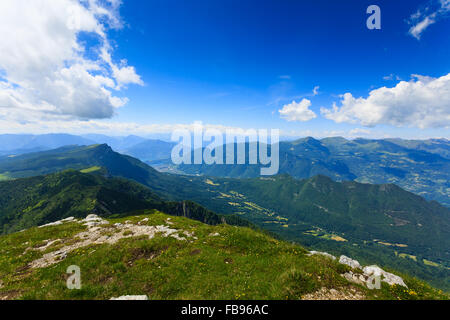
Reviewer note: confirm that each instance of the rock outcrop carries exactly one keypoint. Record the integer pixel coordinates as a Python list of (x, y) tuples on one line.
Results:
[(326, 254), (387, 277), (366, 276), (349, 262), (57, 223), (100, 231)]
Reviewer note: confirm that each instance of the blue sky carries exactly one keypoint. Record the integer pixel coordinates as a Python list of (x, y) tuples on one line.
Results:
[(237, 63)]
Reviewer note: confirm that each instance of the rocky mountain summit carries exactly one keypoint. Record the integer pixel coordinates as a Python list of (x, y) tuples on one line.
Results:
[(152, 255), (100, 231)]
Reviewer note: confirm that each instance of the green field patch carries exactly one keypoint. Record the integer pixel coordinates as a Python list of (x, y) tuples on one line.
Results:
[(91, 169), (405, 255), (210, 182), (4, 176), (431, 263), (320, 233)]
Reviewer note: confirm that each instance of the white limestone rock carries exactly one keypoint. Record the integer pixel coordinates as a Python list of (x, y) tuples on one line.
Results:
[(92, 217), (349, 262), (57, 223), (93, 220), (387, 277), (326, 254), (368, 275), (355, 278)]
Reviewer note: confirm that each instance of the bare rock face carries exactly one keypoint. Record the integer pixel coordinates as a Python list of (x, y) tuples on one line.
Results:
[(143, 297), (99, 231), (369, 275), (326, 254), (349, 262), (364, 276), (93, 220), (355, 278), (57, 223), (387, 277)]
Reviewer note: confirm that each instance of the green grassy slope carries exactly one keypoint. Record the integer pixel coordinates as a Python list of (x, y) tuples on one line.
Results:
[(213, 262)]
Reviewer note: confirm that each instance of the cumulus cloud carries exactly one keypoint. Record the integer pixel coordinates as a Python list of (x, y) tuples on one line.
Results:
[(423, 18), (423, 102), (48, 71), (297, 111)]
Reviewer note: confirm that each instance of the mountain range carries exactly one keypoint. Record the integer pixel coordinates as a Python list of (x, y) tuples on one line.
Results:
[(145, 149), (72, 193), (375, 223), (420, 167)]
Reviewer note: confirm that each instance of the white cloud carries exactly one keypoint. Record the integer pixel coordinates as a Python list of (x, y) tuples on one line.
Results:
[(297, 111), (104, 126), (44, 68), (359, 132), (123, 74), (316, 90), (416, 30), (115, 128), (423, 18), (391, 77), (423, 102)]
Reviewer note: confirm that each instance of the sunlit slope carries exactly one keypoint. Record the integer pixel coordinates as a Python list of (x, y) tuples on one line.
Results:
[(166, 257)]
